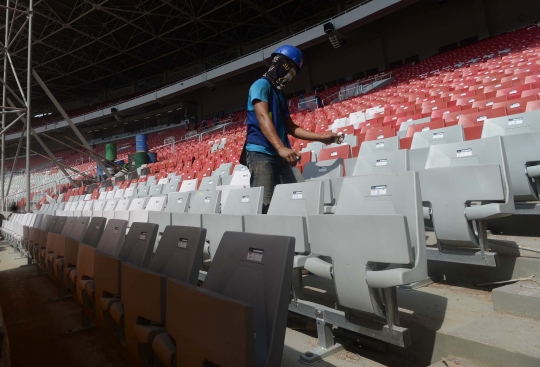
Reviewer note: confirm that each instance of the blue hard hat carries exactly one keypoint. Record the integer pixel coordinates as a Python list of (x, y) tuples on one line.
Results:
[(292, 53)]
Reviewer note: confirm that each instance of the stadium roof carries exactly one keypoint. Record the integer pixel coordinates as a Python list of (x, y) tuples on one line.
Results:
[(85, 46)]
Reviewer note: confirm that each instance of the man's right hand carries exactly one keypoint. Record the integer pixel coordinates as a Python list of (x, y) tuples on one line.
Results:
[(290, 155)]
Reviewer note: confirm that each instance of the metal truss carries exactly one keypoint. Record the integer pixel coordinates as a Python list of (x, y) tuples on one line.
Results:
[(85, 46)]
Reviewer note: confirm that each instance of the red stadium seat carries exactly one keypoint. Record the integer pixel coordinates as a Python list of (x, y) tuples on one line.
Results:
[(343, 151)]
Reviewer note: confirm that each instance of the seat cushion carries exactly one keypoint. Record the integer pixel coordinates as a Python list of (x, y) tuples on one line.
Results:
[(117, 313), (165, 349), (145, 334)]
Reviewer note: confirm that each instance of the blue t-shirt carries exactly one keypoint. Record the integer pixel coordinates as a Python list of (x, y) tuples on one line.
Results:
[(261, 90)]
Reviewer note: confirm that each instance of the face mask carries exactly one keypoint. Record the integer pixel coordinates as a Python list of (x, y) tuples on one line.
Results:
[(281, 72)]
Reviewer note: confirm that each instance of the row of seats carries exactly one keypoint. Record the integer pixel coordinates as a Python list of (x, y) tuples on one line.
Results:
[(151, 301)]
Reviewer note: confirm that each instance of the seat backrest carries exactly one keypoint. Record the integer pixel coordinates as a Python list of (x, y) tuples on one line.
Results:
[(49, 225), (177, 202), (306, 198), (189, 185), (388, 145), (112, 237), (257, 269), (68, 226), (59, 225), (179, 253), (210, 183), (118, 194), (138, 244), (170, 187), (156, 204), (79, 228), (129, 192), (110, 205), (38, 220), (205, 202), (224, 169), (381, 161), (240, 167), (331, 168), (137, 204), (143, 190), (93, 233), (450, 134), (514, 124), (155, 190), (99, 205), (241, 178), (123, 204), (88, 205), (110, 195), (244, 201)]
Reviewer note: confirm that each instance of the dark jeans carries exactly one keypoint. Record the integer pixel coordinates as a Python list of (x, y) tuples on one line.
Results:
[(268, 171)]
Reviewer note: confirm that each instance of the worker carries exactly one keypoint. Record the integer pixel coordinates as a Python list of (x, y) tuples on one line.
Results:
[(268, 153)]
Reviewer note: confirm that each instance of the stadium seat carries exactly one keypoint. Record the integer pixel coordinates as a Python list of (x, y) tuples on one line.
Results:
[(422, 140), (113, 234), (240, 202), (142, 308), (325, 171), (71, 249), (136, 249), (239, 312), (444, 185)]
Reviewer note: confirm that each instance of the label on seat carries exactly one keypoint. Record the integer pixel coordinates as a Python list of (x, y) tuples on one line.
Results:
[(182, 243), (481, 118), (210, 182), (381, 162), (180, 201), (464, 153), (515, 105), (378, 190), (379, 145), (490, 103), (206, 200), (333, 154), (513, 91), (245, 199), (425, 128), (323, 169), (142, 236), (297, 195), (380, 137), (255, 254), (515, 121)]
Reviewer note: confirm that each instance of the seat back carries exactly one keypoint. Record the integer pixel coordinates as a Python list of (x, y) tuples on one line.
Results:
[(388, 145), (112, 237), (68, 226), (138, 244), (99, 205), (189, 185), (137, 204), (327, 169), (522, 123), (156, 190), (445, 185), (210, 183), (381, 162), (302, 199), (123, 204), (170, 187), (59, 225), (241, 178), (450, 134), (156, 204), (179, 253), (143, 191), (110, 205), (129, 192), (244, 201), (257, 269), (93, 233), (368, 206), (89, 205), (79, 228), (205, 202), (177, 202), (119, 194)]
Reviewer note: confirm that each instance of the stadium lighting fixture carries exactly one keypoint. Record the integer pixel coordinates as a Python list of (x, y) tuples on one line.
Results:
[(169, 111)]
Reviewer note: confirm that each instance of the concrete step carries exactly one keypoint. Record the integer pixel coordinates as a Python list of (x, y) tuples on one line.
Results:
[(522, 298), (452, 361), (452, 320)]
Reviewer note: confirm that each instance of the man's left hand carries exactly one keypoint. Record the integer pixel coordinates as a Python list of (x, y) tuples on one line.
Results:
[(329, 138)]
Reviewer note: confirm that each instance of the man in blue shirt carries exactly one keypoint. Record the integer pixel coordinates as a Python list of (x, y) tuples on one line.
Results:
[(269, 156)]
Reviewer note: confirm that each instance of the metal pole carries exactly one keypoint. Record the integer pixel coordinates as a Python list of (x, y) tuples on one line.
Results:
[(29, 102), (68, 120), (61, 165), (4, 91), (53, 158), (3, 132), (15, 159)]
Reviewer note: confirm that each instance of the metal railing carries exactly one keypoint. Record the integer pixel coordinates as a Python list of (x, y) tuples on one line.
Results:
[(359, 88)]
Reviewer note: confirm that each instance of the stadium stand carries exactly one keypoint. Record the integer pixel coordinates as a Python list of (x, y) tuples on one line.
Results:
[(449, 149)]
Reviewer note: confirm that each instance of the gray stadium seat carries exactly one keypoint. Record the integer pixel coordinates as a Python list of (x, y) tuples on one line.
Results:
[(239, 202), (405, 125), (422, 140), (189, 185), (290, 205), (457, 176), (325, 171), (210, 183), (201, 202), (71, 250), (178, 202), (380, 225), (257, 301), (370, 162)]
